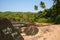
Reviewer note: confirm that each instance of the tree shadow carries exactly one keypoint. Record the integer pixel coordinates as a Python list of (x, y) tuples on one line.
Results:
[(7, 31)]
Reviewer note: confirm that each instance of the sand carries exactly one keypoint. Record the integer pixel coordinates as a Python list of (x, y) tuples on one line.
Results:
[(51, 32)]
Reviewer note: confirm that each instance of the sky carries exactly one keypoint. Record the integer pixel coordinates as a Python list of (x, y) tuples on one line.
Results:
[(23, 5)]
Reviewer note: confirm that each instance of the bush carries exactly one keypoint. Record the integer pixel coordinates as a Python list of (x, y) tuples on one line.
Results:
[(17, 18), (50, 19), (42, 20), (57, 21)]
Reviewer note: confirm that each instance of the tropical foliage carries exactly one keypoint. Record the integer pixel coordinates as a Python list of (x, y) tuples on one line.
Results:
[(47, 15)]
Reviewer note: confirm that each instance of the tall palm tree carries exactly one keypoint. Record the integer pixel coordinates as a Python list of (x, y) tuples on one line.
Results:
[(56, 1), (35, 7), (57, 4), (42, 4)]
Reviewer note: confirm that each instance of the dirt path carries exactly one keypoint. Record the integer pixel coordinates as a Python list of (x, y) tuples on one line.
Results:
[(51, 32)]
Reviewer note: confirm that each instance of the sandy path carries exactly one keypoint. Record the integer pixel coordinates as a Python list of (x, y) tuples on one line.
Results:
[(53, 33)]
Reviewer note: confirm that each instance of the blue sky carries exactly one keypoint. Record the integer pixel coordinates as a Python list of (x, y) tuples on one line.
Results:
[(22, 5)]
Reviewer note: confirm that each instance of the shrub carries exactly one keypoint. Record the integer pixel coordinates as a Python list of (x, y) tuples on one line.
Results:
[(42, 20), (50, 19), (17, 18), (57, 21)]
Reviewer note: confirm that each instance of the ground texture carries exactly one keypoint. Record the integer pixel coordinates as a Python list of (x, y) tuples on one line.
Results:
[(50, 32)]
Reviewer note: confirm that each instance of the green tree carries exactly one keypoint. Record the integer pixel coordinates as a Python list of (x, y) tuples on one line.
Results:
[(57, 6), (42, 4), (35, 7)]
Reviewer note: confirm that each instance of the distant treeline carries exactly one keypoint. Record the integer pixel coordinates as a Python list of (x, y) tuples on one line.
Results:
[(26, 16), (47, 15)]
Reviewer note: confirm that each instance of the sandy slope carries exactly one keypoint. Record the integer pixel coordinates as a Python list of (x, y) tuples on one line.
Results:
[(51, 32)]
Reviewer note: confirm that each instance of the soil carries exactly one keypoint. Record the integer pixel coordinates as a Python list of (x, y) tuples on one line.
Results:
[(50, 32)]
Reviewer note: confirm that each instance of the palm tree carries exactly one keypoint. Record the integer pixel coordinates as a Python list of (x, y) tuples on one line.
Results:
[(36, 7), (57, 4), (42, 4), (56, 1)]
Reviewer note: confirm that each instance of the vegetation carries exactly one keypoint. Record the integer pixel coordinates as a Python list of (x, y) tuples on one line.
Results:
[(42, 20), (27, 16), (47, 15), (50, 14), (36, 7), (42, 4), (57, 19)]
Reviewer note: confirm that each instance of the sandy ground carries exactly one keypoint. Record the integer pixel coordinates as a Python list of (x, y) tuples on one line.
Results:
[(51, 32)]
